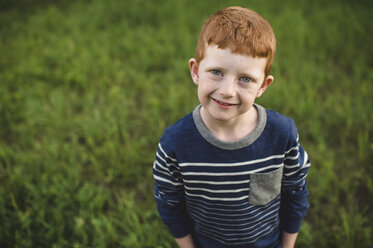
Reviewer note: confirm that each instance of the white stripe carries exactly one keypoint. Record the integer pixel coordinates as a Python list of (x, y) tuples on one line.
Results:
[(165, 170), (215, 182), (291, 166), (167, 181), (218, 199), (305, 157), (233, 164), (160, 147), (293, 148), (293, 158), (292, 173), (216, 204), (198, 208), (289, 182), (217, 191), (230, 173), (257, 212), (157, 164), (221, 210), (305, 165), (164, 161), (162, 172)]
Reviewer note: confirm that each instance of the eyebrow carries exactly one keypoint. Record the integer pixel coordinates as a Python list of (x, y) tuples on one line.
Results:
[(209, 68)]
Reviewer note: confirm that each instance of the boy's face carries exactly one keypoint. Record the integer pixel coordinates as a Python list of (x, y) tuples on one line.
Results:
[(228, 83)]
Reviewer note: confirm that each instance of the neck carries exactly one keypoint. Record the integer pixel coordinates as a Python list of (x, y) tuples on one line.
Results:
[(232, 130)]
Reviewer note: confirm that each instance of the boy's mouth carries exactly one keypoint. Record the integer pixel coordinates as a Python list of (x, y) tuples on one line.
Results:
[(224, 103)]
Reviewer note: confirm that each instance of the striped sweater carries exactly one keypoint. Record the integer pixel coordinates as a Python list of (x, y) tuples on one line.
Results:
[(232, 194)]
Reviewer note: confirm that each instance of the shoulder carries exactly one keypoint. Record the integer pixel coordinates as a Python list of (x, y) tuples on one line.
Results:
[(280, 124), (277, 118), (179, 131)]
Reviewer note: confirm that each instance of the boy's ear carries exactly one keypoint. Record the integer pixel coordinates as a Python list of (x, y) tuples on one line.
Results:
[(267, 81), (193, 67)]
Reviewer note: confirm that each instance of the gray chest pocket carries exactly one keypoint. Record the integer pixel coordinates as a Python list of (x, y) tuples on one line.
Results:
[(264, 187)]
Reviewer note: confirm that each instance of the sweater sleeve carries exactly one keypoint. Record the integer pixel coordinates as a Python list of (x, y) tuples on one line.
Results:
[(294, 200), (169, 193)]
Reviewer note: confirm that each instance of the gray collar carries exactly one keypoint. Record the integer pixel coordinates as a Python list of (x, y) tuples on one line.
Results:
[(246, 141)]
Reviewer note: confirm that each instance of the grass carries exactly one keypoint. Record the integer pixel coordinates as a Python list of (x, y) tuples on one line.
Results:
[(87, 88)]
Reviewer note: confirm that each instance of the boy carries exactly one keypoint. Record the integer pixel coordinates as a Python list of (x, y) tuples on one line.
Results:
[(232, 174)]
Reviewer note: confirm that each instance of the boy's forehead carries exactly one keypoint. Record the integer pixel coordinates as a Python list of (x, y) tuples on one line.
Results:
[(219, 58), (215, 54), (215, 49)]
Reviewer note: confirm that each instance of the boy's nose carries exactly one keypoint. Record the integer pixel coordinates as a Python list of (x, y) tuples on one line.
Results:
[(227, 88)]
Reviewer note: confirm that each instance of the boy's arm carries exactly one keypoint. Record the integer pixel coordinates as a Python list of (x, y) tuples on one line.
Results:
[(288, 239), (169, 193), (294, 200), (171, 209)]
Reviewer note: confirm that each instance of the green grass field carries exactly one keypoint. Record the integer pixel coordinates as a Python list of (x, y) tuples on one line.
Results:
[(87, 88)]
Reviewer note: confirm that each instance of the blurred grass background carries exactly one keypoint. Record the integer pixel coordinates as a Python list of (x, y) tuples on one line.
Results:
[(87, 88)]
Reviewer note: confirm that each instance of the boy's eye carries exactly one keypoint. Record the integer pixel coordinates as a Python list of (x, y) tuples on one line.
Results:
[(246, 79), (216, 72)]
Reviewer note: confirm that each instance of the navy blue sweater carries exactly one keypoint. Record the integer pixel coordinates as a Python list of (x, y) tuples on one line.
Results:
[(232, 194)]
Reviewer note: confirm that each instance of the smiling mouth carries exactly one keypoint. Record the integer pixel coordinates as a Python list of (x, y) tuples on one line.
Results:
[(224, 103)]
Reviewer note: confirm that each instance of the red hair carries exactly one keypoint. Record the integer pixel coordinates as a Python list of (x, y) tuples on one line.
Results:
[(242, 30)]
